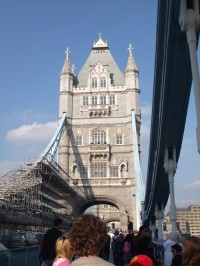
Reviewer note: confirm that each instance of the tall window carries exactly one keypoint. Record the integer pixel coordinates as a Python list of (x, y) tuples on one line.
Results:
[(94, 100), (98, 170), (98, 137), (119, 139), (94, 82), (103, 100), (114, 171), (78, 140), (85, 101), (112, 99), (103, 82)]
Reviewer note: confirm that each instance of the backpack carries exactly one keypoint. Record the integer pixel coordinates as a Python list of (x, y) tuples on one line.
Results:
[(127, 247)]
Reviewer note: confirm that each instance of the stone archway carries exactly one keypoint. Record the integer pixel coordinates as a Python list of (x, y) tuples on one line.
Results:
[(81, 205)]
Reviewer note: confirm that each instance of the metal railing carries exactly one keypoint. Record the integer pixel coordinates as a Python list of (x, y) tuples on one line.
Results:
[(27, 256)]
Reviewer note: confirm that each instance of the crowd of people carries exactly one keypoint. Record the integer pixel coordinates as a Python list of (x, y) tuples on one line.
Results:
[(90, 243)]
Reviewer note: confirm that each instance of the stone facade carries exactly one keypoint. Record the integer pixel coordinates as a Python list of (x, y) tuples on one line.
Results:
[(96, 148)]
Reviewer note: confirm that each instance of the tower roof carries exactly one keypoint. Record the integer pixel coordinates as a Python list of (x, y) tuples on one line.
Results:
[(67, 68), (131, 65), (100, 53)]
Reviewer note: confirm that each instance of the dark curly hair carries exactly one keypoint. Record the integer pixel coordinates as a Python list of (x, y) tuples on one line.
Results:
[(87, 235)]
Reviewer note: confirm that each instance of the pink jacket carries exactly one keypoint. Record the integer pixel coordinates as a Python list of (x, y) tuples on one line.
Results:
[(61, 262)]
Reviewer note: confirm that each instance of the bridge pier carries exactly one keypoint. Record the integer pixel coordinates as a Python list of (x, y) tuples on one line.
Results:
[(170, 169)]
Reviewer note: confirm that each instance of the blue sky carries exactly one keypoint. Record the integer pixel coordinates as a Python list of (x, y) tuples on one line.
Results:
[(34, 37)]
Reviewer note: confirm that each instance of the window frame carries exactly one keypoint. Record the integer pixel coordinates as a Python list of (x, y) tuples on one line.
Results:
[(85, 100), (112, 100), (103, 82), (94, 83), (78, 140), (94, 100), (98, 170), (114, 171), (119, 139), (98, 137)]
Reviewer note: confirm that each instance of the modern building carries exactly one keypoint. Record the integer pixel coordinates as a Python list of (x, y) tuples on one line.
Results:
[(100, 146), (188, 219)]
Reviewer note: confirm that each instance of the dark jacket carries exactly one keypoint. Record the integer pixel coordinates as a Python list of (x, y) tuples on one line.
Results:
[(49, 241), (176, 261)]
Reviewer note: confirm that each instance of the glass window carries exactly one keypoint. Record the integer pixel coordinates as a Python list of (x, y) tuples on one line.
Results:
[(103, 100), (98, 137), (94, 100), (78, 140), (119, 139), (94, 82), (98, 170), (112, 99), (103, 82), (85, 101), (114, 171)]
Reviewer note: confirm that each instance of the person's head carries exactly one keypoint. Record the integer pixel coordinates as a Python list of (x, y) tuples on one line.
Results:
[(141, 260), (191, 251), (63, 248), (176, 249), (88, 235), (174, 236), (57, 223), (143, 231), (116, 233), (128, 237), (121, 237)]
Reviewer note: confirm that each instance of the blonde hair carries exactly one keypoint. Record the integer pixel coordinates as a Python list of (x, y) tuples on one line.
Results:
[(63, 248)]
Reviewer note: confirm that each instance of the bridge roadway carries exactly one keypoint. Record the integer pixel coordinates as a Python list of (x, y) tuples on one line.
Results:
[(172, 85)]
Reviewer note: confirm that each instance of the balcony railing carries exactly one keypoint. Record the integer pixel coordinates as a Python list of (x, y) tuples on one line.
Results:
[(99, 109)]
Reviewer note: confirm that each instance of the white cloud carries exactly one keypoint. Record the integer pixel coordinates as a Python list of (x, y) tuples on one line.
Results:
[(31, 134), (193, 185), (146, 110), (27, 142)]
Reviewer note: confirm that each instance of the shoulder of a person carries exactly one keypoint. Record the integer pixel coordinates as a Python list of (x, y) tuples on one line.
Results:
[(61, 262)]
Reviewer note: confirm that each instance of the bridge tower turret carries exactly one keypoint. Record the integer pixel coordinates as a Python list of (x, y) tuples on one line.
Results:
[(131, 76), (65, 105), (66, 87)]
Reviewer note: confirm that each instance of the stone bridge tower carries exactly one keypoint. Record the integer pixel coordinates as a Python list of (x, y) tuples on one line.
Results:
[(96, 148)]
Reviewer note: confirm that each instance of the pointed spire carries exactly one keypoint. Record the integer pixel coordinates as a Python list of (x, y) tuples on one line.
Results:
[(67, 68), (131, 65)]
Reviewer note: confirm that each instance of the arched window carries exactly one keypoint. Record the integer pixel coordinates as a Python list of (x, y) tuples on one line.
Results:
[(103, 82), (98, 137), (94, 82)]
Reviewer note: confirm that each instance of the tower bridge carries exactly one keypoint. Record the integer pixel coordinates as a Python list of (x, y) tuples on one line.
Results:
[(97, 144), (98, 138)]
